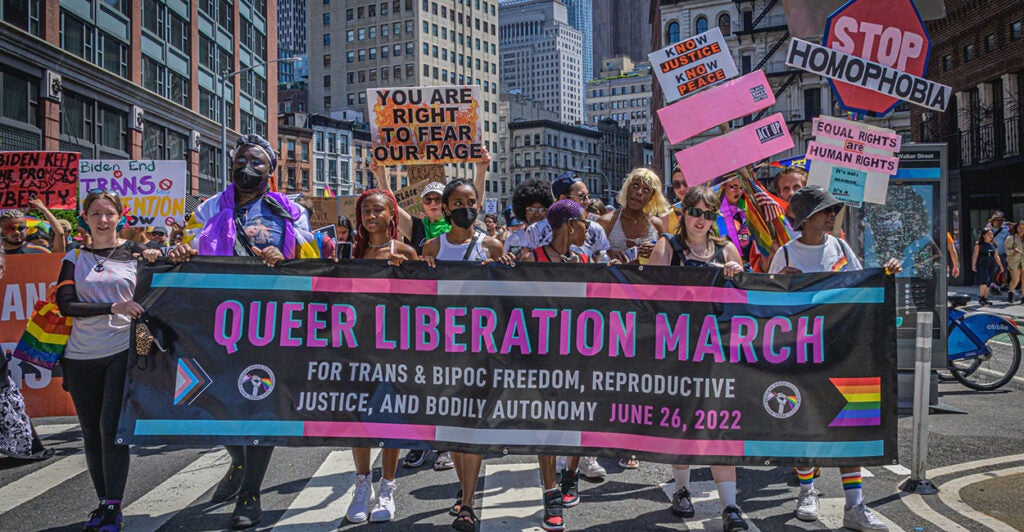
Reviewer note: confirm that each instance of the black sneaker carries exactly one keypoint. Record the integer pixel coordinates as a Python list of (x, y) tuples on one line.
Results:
[(112, 521), (682, 506), (570, 485), (247, 512), (95, 518), (732, 520), (228, 486), (414, 458), (1009, 296), (553, 521)]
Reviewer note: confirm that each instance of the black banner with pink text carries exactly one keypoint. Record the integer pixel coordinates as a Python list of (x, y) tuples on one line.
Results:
[(671, 364)]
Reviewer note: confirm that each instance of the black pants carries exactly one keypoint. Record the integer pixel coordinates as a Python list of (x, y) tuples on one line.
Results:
[(255, 459), (96, 388)]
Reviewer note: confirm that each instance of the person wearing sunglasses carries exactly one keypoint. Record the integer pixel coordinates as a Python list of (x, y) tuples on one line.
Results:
[(569, 186), (417, 231), (671, 219), (694, 244), (15, 233), (814, 210), (248, 220)]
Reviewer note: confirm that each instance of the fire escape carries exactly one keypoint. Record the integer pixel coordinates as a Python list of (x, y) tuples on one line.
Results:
[(776, 33)]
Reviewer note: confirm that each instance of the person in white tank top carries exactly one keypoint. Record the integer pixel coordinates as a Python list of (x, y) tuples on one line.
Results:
[(462, 242)]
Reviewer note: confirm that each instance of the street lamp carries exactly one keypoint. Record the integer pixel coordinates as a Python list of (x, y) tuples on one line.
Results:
[(224, 76)]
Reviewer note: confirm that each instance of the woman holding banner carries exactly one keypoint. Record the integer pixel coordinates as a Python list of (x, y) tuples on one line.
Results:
[(462, 243), (418, 231), (247, 220), (694, 245), (633, 230), (376, 237), (96, 287)]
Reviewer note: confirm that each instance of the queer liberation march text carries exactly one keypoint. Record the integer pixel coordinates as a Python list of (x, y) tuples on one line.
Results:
[(672, 364)]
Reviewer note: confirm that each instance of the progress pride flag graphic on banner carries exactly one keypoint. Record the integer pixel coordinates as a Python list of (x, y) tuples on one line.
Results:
[(675, 365)]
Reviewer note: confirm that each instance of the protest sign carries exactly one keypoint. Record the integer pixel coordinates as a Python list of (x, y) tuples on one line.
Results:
[(325, 212), (426, 125), (490, 205), (693, 64), (707, 109), (871, 136), (847, 185), (736, 149), (153, 191), (347, 207), (851, 155), (852, 160), (673, 365), (427, 172), (25, 281), (51, 176)]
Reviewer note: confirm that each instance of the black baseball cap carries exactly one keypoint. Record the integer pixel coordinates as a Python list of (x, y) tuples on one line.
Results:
[(561, 185)]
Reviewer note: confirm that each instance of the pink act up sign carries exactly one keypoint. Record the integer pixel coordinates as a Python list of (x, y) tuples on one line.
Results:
[(717, 105), (723, 154)]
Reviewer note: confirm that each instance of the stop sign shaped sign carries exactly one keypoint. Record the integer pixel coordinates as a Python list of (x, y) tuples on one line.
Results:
[(889, 32)]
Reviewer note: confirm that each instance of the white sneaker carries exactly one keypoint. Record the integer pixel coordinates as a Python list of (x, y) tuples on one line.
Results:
[(384, 510), (861, 517), (359, 509), (590, 468), (807, 505)]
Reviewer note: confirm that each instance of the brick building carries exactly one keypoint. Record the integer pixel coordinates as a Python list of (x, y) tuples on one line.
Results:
[(978, 50), (294, 159), (132, 80)]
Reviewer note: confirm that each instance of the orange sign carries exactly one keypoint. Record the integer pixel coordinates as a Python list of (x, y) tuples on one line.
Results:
[(25, 280)]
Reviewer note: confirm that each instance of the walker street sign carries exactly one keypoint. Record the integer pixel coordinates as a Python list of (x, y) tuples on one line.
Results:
[(875, 53)]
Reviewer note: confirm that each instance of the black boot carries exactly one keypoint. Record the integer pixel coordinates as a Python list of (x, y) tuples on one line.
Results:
[(247, 512), (1009, 296), (228, 486)]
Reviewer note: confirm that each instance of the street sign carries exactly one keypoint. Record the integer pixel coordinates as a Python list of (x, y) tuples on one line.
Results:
[(889, 32)]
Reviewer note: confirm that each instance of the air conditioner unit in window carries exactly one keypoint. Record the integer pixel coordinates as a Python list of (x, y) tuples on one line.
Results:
[(138, 117), (52, 86), (194, 145)]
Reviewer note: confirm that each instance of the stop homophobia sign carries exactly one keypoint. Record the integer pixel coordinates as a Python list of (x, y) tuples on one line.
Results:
[(426, 125)]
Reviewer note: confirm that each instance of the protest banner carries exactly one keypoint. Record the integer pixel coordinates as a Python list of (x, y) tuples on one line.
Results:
[(426, 172), (153, 191), (736, 149), (25, 280), (426, 125), (707, 109), (674, 365), (693, 64), (852, 160), (51, 176)]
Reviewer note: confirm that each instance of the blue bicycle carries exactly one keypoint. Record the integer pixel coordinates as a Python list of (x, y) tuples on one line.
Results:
[(983, 349)]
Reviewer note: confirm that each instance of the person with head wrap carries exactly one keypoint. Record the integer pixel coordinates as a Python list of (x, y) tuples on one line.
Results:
[(248, 220)]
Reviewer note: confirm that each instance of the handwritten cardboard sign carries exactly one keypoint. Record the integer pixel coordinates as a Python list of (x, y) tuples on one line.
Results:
[(153, 191), (426, 125), (853, 159), (866, 74), (698, 113), (693, 64), (847, 185), (736, 149), (50, 176), (347, 207)]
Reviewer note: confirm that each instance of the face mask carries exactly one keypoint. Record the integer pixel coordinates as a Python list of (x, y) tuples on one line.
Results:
[(464, 218), (248, 179)]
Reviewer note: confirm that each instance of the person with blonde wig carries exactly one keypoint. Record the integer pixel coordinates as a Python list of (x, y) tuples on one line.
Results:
[(634, 228)]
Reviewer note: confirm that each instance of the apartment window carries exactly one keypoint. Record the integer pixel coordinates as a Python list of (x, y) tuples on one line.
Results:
[(362, 33), (18, 97), (409, 48), (319, 139), (327, 39), (153, 14), (76, 38), (396, 50), (349, 13), (351, 57), (947, 63), (224, 17), (384, 52), (701, 25), (327, 102), (383, 30), (327, 81), (350, 35), (725, 24), (153, 74), (179, 33), (373, 54), (179, 88), (990, 42), (371, 11), (1015, 31), (396, 28), (362, 55), (410, 70), (383, 8), (23, 15), (327, 60), (373, 32), (968, 53), (327, 19)]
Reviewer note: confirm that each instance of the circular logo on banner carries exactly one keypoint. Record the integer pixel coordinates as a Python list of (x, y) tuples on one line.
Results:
[(256, 382), (781, 399), (165, 184)]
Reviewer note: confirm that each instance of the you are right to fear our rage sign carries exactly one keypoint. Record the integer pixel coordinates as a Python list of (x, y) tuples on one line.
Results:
[(425, 125)]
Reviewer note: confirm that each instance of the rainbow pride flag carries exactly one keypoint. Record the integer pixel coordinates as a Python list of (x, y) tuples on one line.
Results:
[(863, 402), (45, 336), (328, 193)]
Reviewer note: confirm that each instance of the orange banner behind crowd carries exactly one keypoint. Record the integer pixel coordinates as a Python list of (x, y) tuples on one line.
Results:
[(25, 280)]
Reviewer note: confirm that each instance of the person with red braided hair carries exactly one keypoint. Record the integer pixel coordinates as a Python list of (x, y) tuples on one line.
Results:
[(376, 234)]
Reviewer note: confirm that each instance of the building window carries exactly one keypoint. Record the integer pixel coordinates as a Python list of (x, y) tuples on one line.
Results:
[(327, 60), (947, 63), (18, 97), (701, 25), (990, 42), (22, 15), (672, 33), (327, 102), (725, 24), (327, 39), (327, 81), (968, 53), (1015, 31), (327, 19)]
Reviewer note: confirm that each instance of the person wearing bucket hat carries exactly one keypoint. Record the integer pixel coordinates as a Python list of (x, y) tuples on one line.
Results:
[(417, 231), (813, 211)]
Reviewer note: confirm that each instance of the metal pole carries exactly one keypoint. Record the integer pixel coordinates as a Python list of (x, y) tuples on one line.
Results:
[(918, 483), (223, 129)]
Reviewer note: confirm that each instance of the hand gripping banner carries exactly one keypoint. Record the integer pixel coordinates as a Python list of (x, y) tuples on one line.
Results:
[(671, 364)]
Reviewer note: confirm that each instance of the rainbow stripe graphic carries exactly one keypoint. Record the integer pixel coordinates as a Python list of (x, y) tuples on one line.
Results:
[(864, 402), (190, 381), (840, 265)]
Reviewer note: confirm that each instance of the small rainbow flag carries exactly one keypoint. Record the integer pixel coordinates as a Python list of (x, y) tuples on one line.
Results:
[(864, 402), (840, 265), (34, 224)]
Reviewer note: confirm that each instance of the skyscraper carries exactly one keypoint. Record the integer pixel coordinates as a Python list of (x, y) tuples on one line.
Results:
[(542, 56), (291, 39), (581, 17), (624, 29), (361, 44)]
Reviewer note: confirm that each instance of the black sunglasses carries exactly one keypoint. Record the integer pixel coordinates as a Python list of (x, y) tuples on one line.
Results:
[(697, 213), (586, 223)]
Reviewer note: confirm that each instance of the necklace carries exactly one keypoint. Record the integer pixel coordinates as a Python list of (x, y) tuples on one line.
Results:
[(378, 246), (702, 257), (632, 220), (563, 258), (99, 263)]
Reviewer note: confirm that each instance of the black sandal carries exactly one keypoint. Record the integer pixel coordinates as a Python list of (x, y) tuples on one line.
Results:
[(467, 521), (454, 510)]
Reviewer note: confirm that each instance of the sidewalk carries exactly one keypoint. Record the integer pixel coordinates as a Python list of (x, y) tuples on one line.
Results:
[(999, 305)]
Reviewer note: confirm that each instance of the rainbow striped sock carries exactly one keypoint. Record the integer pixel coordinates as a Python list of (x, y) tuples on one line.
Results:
[(806, 477), (852, 489)]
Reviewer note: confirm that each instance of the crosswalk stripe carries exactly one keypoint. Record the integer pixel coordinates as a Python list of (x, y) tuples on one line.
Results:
[(160, 504), (323, 502), (708, 510), (55, 428), (38, 482), (898, 469), (511, 497), (865, 473)]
